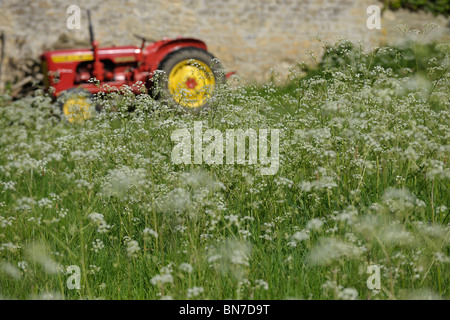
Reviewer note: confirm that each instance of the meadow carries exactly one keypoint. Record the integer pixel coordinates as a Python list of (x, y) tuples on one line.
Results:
[(363, 180)]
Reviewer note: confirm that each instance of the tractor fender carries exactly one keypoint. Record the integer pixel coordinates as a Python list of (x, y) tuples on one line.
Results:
[(158, 51)]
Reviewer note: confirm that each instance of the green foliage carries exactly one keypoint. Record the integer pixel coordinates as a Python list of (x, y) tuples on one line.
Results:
[(410, 57), (434, 6)]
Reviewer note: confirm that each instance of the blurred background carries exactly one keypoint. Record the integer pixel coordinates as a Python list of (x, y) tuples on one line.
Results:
[(250, 37)]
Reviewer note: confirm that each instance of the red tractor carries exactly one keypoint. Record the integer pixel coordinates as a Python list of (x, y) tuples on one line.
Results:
[(190, 73)]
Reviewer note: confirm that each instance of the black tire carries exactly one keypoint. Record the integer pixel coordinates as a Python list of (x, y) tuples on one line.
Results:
[(172, 59), (71, 94)]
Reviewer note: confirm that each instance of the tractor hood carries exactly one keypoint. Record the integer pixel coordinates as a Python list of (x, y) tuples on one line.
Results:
[(115, 54)]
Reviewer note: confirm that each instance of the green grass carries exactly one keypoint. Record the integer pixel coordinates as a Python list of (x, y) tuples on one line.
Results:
[(363, 180)]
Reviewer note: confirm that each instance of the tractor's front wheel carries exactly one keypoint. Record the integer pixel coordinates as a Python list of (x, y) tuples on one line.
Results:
[(76, 105), (191, 77)]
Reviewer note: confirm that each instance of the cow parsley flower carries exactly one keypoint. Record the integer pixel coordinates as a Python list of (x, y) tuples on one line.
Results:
[(132, 247), (194, 292), (150, 232), (186, 267), (162, 279)]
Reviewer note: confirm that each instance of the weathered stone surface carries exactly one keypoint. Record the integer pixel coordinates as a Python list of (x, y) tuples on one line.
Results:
[(248, 36)]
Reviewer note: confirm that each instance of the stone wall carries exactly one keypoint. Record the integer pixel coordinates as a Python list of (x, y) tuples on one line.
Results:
[(248, 36)]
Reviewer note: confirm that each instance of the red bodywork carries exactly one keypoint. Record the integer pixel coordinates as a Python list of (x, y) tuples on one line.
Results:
[(114, 66)]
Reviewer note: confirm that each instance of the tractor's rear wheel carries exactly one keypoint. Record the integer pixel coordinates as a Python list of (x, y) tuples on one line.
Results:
[(191, 77), (76, 105)]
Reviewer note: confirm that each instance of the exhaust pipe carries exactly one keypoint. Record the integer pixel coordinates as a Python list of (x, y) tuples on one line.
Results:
[(97, 71), (91, 29), (2, 54)]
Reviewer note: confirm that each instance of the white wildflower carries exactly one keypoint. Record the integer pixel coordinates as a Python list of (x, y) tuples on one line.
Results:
[(261, 284), (348, 294), (314, 224), (132, 247), (10, 269), (150, 232), (186, 267), (301, 235), (330, 249), (97, 245), (162, 279), (194, 292)]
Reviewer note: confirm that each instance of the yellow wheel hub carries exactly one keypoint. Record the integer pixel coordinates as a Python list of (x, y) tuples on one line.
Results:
[(191, 83), (77, 109)]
